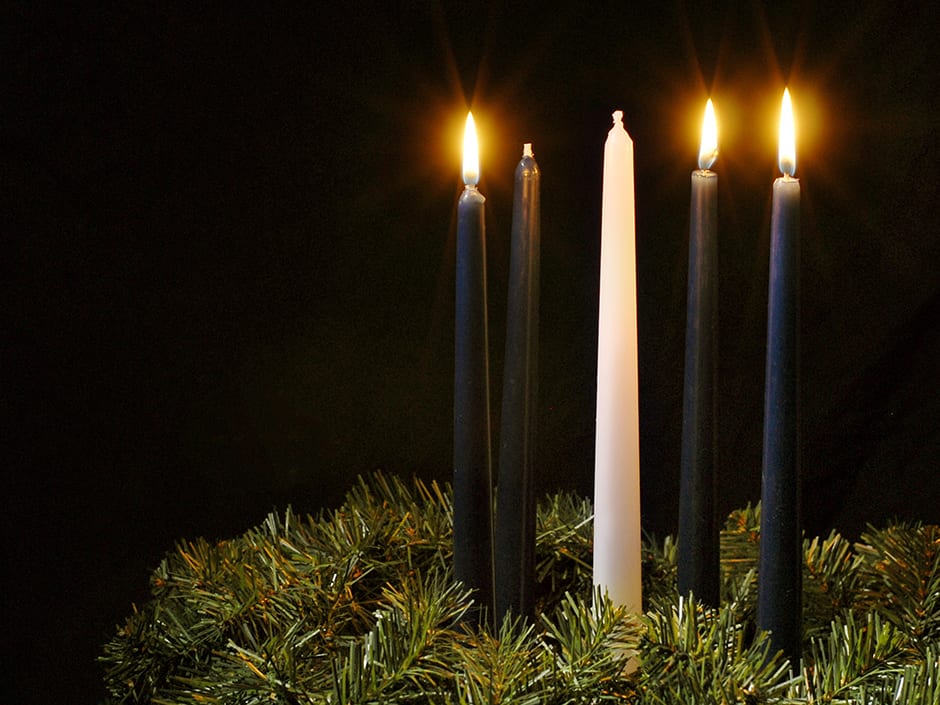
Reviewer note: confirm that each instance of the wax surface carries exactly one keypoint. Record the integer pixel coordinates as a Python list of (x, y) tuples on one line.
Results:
[(617, 448), (698, 527), (779, 577), (473, 530), (515, 507)]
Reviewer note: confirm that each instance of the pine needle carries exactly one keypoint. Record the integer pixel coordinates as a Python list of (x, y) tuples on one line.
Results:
[(359, 605)]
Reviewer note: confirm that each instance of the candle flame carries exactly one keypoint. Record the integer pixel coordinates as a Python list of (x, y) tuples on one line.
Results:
[(471, 153), (787, 148), (708, 152)]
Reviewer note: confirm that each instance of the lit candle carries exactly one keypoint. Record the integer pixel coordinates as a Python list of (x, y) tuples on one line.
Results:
[(779, 577), (617, 447), (515, 500), (698, 527), (473, 524)]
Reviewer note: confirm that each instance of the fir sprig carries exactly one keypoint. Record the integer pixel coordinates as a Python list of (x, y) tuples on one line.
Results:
[(359, 605), (900, 573), (591, 644), (694, 654), (505, 667), (854, 655), (564, 548)]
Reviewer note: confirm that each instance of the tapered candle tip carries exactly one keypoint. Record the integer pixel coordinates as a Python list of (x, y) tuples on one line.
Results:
[(618, 117), (527, 150)]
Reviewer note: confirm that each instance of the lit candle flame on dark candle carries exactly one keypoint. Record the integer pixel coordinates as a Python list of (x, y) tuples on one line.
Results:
[(698, 549), (779, 575), (473, 475), (471, 153), (708, 152), (787, 148)]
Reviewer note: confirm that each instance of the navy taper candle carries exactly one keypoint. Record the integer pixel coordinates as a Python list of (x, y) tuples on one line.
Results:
[(779, 601), (515, 498), (698, 526), (473, 523)]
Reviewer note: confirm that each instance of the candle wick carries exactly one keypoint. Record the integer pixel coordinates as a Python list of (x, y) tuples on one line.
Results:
[(618, 117), (527, 150)]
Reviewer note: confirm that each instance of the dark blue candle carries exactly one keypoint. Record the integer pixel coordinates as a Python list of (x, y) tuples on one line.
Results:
[(473, 523), (779, 577), (515, 499), (698, 526)]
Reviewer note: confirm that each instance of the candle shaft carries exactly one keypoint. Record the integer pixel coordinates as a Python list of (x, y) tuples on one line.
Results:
[(473, 542), (779, 577), (698, 526), (515, 501), (617, 538)]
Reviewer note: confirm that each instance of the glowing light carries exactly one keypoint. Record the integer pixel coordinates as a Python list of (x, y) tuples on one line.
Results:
[(787, 148), (471, 153), (708, 152)]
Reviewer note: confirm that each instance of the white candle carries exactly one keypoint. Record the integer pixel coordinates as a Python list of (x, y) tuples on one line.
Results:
[(617, 449)]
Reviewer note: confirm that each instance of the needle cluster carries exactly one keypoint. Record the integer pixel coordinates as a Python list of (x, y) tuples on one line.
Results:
[(359, 605)]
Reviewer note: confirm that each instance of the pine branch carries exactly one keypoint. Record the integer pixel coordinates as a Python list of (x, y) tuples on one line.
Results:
[(900, 576), (739, 551), (660, 571), (853, 657), (831, 582), (358, 605), (564, 548), (694, 654), (590, 646), (501, 668), (409, 650)]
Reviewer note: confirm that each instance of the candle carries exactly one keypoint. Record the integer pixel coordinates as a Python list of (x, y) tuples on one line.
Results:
[(779, 577), (515, 500), (473, 543), (698, 527), (617, 446)]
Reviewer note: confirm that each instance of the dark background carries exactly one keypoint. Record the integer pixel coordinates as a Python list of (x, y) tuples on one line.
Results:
[(228, 264)]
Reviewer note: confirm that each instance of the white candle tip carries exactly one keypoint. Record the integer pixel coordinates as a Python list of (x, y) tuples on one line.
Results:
[(618, 117), (527, 150)]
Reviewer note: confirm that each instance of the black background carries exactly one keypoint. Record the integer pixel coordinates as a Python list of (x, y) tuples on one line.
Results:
[(228, 263)]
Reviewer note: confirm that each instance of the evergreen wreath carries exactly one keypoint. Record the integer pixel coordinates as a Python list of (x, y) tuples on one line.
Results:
[(358, 605)]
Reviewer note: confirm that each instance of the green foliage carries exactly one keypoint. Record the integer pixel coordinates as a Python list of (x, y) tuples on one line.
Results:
[(851, 656), (591, 646), (358, 605), (408, 649), (900, 578), (498, 668), (660, 571), (831, 582), (700, 655), (564, 544)]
